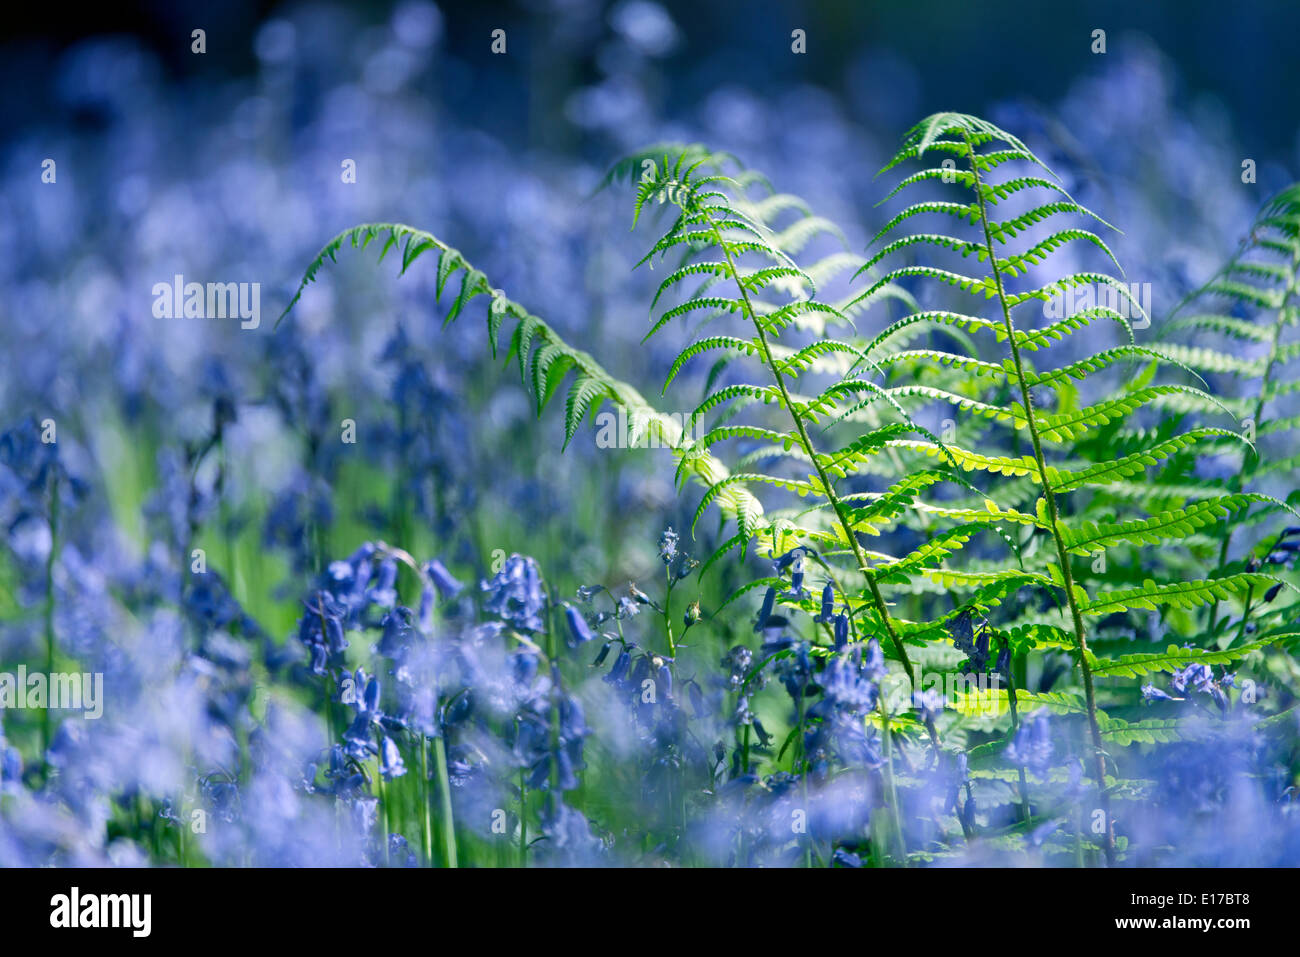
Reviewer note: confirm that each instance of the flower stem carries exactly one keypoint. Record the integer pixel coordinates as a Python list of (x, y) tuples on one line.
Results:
[(50, 643)]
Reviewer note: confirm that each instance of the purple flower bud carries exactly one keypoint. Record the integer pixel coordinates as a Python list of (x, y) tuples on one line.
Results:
[(391, 763), (764, 613), (619, 671), (828, 603), (579, 631), (447, 586)]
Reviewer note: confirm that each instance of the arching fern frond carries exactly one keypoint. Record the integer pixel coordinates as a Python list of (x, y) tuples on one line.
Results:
[(553, 359)]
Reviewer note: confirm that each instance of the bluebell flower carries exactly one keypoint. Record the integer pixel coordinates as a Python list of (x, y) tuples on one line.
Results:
[(781, 562), (396, 634), (391, 764), (929, 704), (844, 858), (579, 630), (348, 580), (962, 632), (321, 629), (1032, 744), (765, 612), (515, 594), (424, 617), (383, 594), (846, 685), (618, 674), (1003, 665), (827, 605), (794, 560), (1151, 693), (1196, 674), (668, 546), (665, 681), (979, 654), (737, 661), (448, 586), (873, 661), (840, 630), (400, 853)]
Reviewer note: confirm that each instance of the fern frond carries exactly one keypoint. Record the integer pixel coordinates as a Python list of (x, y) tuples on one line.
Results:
[(1088, 537), (591, 384), (1175, 658), (1187, 594)]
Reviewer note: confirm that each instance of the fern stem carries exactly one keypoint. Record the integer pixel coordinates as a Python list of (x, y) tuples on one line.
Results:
[(1062, 553), (806, 442)]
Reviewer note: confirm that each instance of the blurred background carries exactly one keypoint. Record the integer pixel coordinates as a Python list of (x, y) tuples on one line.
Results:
[(225, 166)]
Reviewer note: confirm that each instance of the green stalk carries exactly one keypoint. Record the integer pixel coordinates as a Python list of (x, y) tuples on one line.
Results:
[(523, 818), (426, 801), (383, 797), (668, 620), (801, 766), (46, 726), (444, 790), (1053, 515), (895, 815)]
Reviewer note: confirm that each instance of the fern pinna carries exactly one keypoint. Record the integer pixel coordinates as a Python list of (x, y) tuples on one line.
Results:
[(1235, 327), (1007, 517)]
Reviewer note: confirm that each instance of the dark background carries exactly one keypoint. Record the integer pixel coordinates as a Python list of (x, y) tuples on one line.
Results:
[(966, 53)]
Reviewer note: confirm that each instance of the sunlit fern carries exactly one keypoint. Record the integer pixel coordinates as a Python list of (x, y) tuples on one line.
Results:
[(1065, 482), (1236, 326)]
